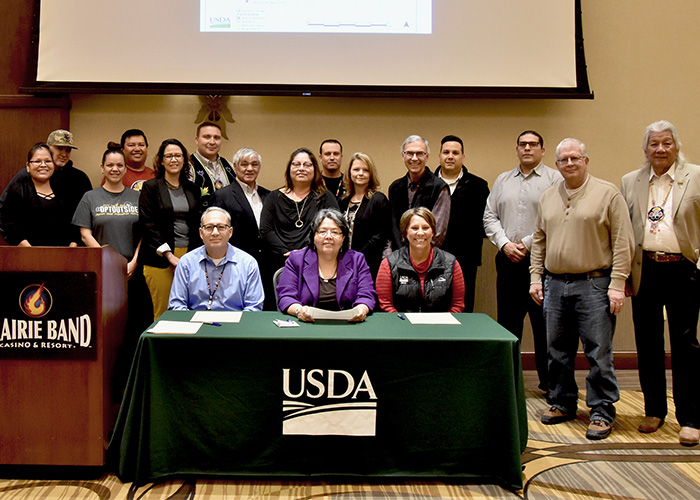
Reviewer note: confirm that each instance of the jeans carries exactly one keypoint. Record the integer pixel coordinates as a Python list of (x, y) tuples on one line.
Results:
[(573, 309)]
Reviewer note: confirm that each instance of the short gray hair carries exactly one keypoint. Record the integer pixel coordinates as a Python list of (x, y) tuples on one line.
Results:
[(215, 209), (339, 219), (581, 147), (415, 138), (245, 153)]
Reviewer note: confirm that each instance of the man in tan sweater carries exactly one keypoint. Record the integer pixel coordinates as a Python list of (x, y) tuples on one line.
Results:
[(581, 256)]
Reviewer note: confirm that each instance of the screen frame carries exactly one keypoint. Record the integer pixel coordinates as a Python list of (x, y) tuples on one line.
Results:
[(582, 89)]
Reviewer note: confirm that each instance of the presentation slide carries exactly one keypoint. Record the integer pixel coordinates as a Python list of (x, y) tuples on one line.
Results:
[(317, 16)]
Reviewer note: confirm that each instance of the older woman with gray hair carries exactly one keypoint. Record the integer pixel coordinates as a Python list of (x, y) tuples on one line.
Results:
[(326, 274)]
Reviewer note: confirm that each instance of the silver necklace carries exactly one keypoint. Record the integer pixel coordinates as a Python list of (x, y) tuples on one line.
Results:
[(326, 280)]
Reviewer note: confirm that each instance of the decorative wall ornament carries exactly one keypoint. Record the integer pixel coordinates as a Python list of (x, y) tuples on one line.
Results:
[(215, 109)]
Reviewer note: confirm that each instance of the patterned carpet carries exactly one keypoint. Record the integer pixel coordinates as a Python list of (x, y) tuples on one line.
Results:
[(560, 464)]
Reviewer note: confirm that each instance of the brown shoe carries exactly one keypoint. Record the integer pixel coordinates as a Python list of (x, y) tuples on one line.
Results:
[(556, 416), (650, 424), (598, 429), (689, 436)]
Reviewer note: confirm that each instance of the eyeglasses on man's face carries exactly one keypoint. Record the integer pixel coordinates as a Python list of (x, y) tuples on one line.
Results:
[(209, 228)]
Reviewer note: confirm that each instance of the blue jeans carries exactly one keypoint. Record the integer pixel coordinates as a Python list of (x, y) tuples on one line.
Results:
[(573, 309)]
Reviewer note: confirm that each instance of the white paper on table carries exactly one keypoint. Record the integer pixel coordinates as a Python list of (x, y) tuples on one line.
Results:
[(432, 319), (178, 327), (217, 316), (285, 323), (317, 313)]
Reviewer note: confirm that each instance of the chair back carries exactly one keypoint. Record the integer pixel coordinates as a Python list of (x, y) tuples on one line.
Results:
[(276, 281)]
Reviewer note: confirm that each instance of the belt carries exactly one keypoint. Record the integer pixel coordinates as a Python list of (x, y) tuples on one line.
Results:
[(664, 257), (598, 273)]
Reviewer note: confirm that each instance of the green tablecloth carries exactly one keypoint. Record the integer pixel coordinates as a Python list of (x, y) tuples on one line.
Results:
[(445, 401)]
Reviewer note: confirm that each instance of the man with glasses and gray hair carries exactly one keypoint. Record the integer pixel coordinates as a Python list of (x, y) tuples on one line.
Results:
[(419, 188), (216, 276), (581, 256)]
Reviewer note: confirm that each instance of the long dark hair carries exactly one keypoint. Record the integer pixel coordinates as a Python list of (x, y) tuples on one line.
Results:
[(317, 184), (158, 160)]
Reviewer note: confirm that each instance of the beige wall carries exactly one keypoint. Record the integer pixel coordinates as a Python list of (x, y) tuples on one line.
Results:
[(642, 67)]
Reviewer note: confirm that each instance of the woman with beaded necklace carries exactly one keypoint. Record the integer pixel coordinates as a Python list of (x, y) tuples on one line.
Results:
[(367, 211), (288, 213)]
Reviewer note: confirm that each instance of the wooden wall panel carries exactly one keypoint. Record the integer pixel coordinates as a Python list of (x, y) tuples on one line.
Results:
[(24, 120)]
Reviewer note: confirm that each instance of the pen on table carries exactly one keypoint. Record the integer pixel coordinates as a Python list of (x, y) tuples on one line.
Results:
[(214, 323), (401, 316)]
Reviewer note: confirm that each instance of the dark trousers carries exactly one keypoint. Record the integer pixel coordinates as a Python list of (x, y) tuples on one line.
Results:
[(469, 273), (140, 317), (514, 302), (674, 285)]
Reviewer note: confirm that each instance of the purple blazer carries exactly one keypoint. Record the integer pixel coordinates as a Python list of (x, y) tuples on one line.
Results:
[(299, 281)]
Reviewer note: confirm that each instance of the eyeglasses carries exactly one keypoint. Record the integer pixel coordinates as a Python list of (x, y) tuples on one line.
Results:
[(36, 163), (573, 159), (298, 164), (171, 156), (532, 144), (208, 228), (417, 154), (333, 232)]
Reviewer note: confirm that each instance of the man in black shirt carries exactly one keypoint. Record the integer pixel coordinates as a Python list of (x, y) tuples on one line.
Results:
[(331, 157)]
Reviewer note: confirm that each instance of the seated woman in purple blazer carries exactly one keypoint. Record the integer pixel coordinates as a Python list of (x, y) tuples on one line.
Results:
[(326, 274)]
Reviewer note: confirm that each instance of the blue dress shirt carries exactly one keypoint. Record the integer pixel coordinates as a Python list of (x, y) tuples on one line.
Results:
[(240, 287)]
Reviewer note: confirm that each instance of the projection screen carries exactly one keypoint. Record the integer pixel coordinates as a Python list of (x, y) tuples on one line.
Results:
[(375, 47)]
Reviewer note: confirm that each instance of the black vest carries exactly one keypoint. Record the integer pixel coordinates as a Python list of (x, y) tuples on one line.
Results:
[(201, 179), (437, 296)]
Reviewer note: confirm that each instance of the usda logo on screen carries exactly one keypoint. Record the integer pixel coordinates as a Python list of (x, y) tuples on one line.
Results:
[(328, 403), (219, 22)]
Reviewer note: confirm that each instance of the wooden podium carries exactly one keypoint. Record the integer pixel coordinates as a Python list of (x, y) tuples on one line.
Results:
[(54, 409)]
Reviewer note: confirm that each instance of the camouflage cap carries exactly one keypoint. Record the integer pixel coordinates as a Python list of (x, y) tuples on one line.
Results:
[(61, 138)]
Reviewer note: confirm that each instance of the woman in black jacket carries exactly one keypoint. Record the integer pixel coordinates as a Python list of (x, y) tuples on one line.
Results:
[(367, 211), (169, 211)]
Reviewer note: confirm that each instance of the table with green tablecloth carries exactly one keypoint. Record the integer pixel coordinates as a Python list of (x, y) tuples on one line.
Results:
[(380, 398)]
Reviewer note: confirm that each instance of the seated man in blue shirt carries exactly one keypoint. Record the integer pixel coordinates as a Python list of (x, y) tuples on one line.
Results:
[(216, 276)]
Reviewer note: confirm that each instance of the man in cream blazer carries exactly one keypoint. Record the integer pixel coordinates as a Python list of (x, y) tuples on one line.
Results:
[(664, 203)]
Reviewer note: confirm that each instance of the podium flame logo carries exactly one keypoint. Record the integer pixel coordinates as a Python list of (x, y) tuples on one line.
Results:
[(35, 301)]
